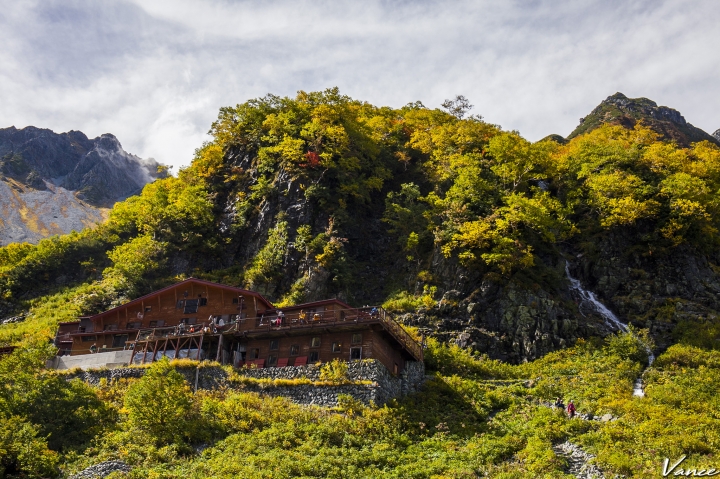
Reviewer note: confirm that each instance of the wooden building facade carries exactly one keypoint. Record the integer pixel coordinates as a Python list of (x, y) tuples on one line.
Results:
[(199, 319)]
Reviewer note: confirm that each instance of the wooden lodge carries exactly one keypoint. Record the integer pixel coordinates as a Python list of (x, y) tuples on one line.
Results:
[(199, 319)]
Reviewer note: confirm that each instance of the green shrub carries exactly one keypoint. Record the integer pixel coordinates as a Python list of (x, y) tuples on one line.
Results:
[(335, 371)]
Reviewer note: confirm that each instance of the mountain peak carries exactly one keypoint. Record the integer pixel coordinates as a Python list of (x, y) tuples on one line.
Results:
[(63, 180), (618, 109)]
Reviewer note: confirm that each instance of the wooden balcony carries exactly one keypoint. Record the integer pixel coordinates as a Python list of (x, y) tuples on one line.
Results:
[(295, 324)]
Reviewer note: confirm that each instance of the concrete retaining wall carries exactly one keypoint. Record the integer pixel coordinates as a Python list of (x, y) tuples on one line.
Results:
[(110, 359)]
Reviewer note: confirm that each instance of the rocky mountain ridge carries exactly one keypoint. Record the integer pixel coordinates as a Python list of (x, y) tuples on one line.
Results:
[(618, 109), (53, 183)]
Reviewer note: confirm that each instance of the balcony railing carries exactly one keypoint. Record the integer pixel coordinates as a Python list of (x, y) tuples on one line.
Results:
[(295, 320)]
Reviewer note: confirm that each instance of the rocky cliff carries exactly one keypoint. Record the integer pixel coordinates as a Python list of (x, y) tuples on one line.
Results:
[(513, 317), (53, 183), (621, 110)]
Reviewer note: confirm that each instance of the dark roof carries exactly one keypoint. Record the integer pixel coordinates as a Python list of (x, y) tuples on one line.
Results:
[(315, 304), (175, 285)]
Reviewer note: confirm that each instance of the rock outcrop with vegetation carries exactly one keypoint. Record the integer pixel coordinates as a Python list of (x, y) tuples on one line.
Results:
[(618, 109)]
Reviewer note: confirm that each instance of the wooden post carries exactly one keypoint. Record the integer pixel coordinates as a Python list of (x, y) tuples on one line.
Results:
[(218, 356), (202, 336), (144, 352)]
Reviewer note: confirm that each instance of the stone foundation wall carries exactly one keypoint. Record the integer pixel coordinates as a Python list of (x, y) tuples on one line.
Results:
[(383, 387)]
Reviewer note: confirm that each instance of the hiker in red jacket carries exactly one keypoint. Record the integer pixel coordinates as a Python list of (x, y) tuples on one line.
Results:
[(571, 409)]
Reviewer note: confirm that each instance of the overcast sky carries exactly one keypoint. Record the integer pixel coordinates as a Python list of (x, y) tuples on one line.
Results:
[(155, 73)]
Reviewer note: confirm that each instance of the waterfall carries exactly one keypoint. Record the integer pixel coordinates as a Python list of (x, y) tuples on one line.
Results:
[(610, 319)]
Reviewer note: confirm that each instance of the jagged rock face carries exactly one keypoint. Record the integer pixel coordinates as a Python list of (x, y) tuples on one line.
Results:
[(99, 168), (621, 110), (652, 290), (717, 134), (507, 320), (54, 183)]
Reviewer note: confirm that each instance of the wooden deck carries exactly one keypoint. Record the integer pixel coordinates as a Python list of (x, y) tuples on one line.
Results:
[(174, 338)]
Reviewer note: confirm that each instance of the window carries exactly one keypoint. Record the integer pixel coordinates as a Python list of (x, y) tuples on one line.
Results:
[(192, 321), (110, 327), (272, 361), (148, 309), (119, 340), (355, 353), (235, 301), (89, 338), (315, 342), (203, 301), (294, 350), (274, 345), (184, 320), (134, 325), (314, 357), (153, 324), (180, 304), (356, 338), (254, 353), (336, 347), (191, 306)]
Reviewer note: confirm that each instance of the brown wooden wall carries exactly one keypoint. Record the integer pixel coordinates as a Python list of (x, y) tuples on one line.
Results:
[(163, 307), (374, 346)]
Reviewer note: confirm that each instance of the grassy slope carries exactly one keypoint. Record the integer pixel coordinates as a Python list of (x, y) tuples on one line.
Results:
[(474, 417)]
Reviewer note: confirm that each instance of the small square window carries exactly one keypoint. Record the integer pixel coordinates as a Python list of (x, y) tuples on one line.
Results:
[(274, 345), (336, 347), (191, 306), (315, 342), (203, 301), (89, 338), (148, 309), (294, 350), (355, 353), (253, 353), (272, 360), (153, 324), (356, 338), (314, 357)]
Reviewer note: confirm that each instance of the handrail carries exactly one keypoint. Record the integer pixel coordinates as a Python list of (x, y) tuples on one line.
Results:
[(293, 320)]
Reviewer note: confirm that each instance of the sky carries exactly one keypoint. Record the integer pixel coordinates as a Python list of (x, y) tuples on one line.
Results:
[(155, 73)]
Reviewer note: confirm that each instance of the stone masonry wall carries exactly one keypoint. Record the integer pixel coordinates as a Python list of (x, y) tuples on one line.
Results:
[(383, 387)]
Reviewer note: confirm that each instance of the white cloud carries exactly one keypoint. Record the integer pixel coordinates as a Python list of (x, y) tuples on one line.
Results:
[(155, 73)]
